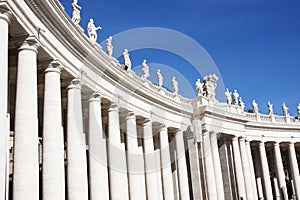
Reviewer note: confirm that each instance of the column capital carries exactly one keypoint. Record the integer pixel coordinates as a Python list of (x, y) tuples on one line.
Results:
[(213, 133), (30, 43), (96, 96), (292, 141), (130, 115), (146, 122), (235, 138), (75, 84), (162, 128), (276, 143), (54, 66), (5, 14), (114, 106), (205, 132), (178, 131), (242, 138)]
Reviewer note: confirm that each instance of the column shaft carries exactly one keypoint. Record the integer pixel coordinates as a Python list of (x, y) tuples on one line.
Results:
[(280, 171), (265, 171), (182, 168), (53, 139), (167, 178), (238, 169), (26, 154), (251, 167), (226, 170), (98, 174), (209, 167), (4, 28), (246, 169), (217, 166), (76, 145), (150, 167), (295, 170), (135, 161), (118, 180)]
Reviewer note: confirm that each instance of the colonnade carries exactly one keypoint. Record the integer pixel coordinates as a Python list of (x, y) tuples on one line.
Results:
[(250, 176), (112, 168)]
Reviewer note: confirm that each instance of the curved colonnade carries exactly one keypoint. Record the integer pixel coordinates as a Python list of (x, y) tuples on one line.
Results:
[(76, 125)]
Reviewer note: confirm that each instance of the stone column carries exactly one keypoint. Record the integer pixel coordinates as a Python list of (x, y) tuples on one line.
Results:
[(238, 168), (280, 171), (150, 166), (53, 139), (116, 157), (295, 170), (135, 161), (168, 189), (251, 168), (217, 165), (265, 171), (76, 145), (4, 135), (182, 168), (26, 154), (209, 167), (246, 169), (98, 174)]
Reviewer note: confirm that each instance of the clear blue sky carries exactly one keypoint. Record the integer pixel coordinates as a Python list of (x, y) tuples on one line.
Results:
[(255, 44)]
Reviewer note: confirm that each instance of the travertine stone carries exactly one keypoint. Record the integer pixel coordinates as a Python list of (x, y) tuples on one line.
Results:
[(246, 169), (150, 164), (116, 157), (4, 29), (209, 167), (98, 174), (53, 139), (135, 161), (76, 145), (265, 171), (26, 165), (217, 165), (251, 167), (295, 170), (280, 172), (238, 168), (167, 179), (182, 167)]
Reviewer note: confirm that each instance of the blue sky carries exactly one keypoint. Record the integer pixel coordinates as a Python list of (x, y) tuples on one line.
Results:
[(255, 44)]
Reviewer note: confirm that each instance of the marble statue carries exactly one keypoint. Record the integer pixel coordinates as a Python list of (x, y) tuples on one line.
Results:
[(199, 87), (210, 85), (76, 12), (285, 109), (298, 110), (92, 30), (270, 107), (235, 97), (228, 96), (242, 104), (255, 107), (145, 69), (109, 46), (160, 78), (174, 85), (127, 61)]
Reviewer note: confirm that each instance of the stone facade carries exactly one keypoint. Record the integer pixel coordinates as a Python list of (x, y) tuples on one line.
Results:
[(70, 130)]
